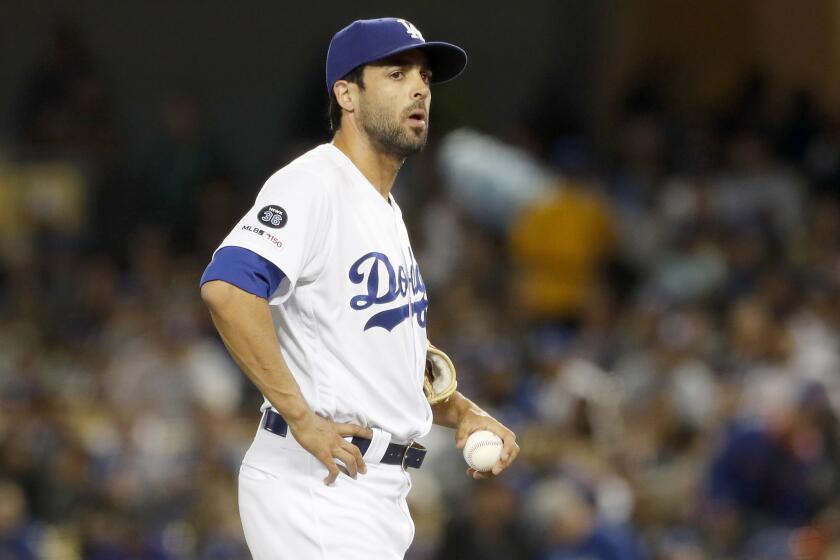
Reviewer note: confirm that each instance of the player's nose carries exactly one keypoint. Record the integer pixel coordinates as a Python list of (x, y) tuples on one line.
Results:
[(420, 87), (421, 94)]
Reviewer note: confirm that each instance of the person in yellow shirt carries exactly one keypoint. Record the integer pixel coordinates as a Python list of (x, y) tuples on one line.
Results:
[(558, 246)]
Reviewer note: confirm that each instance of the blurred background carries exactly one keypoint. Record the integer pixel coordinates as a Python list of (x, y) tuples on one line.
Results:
[(627, 220)]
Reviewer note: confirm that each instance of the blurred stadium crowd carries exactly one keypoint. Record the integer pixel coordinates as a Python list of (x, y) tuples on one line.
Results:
[(656, 314)]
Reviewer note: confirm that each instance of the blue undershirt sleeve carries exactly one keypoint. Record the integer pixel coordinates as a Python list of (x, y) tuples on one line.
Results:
[(244, 269)]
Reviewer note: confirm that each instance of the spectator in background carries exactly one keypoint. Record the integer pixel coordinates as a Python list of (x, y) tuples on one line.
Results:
[(755, 188), (774, 471), (182, 166), (636, 178), (18, 534), (489, 528), (65, 110), (559, 245), (568, 527), (821, 161)]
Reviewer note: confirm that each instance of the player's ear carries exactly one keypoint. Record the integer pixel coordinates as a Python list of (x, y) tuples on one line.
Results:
[(343, 95)]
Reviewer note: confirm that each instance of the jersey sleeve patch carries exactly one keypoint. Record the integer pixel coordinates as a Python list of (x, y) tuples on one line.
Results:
[(273, 216), (290, 225)]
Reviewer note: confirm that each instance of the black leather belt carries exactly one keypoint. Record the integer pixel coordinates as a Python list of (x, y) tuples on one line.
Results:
[(410, 455)]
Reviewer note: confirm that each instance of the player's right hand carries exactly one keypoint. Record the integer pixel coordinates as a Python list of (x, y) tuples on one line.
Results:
[(325, 440)]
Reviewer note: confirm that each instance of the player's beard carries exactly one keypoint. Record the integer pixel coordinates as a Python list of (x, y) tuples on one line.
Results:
[(389, 135)]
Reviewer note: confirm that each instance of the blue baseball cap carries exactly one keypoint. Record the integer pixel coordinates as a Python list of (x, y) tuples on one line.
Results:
[(367, 40)]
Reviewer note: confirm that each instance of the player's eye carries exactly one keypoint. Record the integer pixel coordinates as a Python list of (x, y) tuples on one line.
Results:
[(396, 74), (427, 77)]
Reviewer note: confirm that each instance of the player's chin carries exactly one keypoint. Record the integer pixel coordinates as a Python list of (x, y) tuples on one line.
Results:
[(414, 143)]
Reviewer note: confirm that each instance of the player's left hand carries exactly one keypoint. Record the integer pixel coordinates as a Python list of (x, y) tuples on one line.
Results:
[(478, 420)]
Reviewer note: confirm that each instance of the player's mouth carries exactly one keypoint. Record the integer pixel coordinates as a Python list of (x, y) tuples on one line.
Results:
[(418, 118)]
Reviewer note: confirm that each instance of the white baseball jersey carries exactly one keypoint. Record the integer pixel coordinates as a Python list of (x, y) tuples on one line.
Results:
[(350, 314)]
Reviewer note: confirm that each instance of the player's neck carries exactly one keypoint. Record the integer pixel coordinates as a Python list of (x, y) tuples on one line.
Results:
[(379, 168)]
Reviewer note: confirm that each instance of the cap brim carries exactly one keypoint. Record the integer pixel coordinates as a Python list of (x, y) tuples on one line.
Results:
[(446, 61)]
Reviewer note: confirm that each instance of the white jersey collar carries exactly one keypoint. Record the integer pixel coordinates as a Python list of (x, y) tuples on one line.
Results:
[(341, 158)]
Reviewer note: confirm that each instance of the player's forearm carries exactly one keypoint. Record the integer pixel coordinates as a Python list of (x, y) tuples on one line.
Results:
[(450, 413), (244, 323)]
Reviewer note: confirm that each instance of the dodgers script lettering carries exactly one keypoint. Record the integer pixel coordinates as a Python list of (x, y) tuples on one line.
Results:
[(386, 284)]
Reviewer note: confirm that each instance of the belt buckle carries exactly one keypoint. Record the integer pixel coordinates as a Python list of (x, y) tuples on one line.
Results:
[(405, 454), (413, 445)]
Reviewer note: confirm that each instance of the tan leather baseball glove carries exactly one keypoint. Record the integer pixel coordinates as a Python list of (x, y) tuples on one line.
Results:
[(440, 381)]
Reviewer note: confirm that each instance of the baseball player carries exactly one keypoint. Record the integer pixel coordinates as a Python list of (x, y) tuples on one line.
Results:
[(318, 297)]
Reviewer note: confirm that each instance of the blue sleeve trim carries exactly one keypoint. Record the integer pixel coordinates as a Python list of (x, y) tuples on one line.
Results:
[(244, 269)]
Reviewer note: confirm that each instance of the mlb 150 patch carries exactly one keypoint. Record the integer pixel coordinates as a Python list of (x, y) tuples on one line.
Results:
[(273, 216)]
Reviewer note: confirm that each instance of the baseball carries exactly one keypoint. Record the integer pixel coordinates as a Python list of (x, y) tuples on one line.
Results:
[(482, 450)]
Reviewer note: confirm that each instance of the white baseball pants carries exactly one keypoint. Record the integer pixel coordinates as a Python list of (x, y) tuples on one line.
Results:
[(289, 513)]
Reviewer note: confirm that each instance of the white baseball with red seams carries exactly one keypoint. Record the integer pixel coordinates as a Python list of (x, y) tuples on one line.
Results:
[(482, 450)]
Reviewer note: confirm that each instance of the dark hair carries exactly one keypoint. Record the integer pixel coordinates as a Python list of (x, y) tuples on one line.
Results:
[(355, 76)]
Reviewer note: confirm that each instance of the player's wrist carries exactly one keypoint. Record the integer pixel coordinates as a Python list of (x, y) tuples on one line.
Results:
[(467, 408), (452, 412), (296, 412)]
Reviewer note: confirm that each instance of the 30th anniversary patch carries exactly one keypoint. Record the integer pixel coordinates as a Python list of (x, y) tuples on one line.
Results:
[(273, 217)]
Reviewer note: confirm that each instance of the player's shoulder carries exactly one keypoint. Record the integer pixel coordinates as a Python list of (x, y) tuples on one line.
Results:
[(315, 171)]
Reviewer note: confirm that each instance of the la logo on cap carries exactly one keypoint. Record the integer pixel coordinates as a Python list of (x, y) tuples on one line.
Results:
[(368, 40), (413, 32)]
